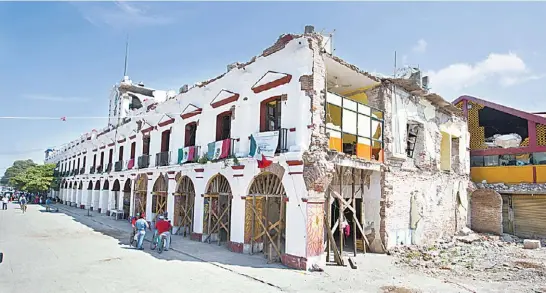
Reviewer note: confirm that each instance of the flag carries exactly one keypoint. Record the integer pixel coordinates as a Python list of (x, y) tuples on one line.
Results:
[(131, 164), (186, 154), (63, 118), (219, 149), (256, 152)]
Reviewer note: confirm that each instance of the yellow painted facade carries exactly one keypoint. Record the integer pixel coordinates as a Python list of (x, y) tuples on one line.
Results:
[(508, 174), (445, 152)]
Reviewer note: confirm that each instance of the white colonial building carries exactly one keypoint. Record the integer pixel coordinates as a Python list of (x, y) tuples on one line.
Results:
[(249, 158)]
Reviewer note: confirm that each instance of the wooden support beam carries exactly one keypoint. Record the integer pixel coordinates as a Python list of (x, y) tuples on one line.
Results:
[(354, 208)]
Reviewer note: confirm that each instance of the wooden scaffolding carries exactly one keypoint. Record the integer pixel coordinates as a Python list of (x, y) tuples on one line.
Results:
[(184, 199), (357, 179), (141, 193), (217, 211), (265, 215), (159, 196)]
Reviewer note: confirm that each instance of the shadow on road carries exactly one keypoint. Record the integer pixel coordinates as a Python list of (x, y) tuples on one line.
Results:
[(181, 247)]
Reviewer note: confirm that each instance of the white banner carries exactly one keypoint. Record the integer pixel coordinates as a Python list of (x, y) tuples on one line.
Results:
[(267, 142)]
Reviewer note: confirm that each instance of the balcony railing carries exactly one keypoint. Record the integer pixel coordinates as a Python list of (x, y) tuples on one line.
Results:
[(354, 128), (92, 170), (99, 169), (108, 168), (118, 166), (162, 159), (77, 172), (143, 161), (283, 141), (188, 154), (82, 170)]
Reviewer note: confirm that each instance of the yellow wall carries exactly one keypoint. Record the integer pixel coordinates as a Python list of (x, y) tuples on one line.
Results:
[(541, 173), (360, 97), (504, 174), (333, 114), (445, 152)]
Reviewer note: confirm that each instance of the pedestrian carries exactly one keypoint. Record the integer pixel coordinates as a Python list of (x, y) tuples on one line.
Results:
[(5, 201), (23, 203), (141, 225)]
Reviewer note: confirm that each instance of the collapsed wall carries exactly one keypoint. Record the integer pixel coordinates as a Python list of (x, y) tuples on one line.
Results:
[(421, 200)]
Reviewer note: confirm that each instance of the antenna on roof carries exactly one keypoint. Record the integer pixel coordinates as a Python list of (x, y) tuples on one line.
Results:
[(395, 68), (126, 54)]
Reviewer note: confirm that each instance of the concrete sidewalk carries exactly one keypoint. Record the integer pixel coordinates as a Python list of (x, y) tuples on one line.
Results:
[(375, 273)]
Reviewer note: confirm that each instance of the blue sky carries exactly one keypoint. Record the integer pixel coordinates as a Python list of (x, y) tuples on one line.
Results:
[(62, 59)]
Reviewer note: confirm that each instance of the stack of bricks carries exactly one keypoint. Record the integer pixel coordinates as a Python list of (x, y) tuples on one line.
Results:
[(477, 133), (541, 134)]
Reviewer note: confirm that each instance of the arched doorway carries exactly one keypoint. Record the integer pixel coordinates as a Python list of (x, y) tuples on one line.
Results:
[(96, 197), (126, 201), (89, 198), (74, 194), (141, 192), (103, 204), (217, 210), (184, 199), (114, 201), (80, 195), (265, 216), (159, 196)]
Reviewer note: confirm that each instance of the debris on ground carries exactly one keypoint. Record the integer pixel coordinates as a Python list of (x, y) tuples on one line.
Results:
[(476, 256), (396, 289)]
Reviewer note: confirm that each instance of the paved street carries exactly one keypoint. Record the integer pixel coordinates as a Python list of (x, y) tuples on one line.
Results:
[(70, 252)]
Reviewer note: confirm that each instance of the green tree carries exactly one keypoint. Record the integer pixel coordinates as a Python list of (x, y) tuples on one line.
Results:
[(38, 178), (17, 168)]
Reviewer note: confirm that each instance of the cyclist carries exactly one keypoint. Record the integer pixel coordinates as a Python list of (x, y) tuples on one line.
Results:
[(163, 228), (141, 225)]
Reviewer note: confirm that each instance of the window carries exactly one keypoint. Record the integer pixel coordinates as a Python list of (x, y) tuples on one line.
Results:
[(165, 139), (78, 164), (191, 132), (110, 156), (120, 154), (133, 150), (102, 158), (489, 161), (94, 160), (476, 161), (84, 161), (223, 126), (270, 115), (146, 145), (411, 141)]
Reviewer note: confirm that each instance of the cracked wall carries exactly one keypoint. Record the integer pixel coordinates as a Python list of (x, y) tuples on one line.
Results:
[(419, 201)]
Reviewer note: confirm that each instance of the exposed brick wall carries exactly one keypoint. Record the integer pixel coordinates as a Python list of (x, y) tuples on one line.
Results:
[(486, 211), (294, 262), (235, 247)]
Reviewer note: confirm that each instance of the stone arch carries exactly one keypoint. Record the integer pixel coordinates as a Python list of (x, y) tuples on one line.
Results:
[(127, 185), (159, 195), (126, 199), (114, 201), (70, 185), (116, 186), (217, 209), (90, 185), (266, 203), (486, 211), (80, 186), (184, 200), (97, 185), (106, 185), (141, 193)]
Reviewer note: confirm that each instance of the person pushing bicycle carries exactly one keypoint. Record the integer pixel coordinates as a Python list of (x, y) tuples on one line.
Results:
[(163, 228)]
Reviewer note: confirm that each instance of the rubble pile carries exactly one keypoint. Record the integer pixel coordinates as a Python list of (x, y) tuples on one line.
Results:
[(522, 187), (481, 257)]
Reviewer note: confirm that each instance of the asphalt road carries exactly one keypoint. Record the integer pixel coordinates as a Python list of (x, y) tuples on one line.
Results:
[(50, 252)]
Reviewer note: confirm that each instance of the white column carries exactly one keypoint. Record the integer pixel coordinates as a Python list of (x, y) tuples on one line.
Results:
[(170, 200), (132, 203), (88, 198), (96, 200), (103, 203)]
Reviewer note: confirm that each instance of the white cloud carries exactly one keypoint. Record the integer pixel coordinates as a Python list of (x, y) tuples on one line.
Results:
[(503, 69), (55, 98), (121, 14), (420, 47)]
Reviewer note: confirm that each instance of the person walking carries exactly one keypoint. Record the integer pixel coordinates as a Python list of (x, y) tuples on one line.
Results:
[(141, 225), (5, 201), (23, 203)]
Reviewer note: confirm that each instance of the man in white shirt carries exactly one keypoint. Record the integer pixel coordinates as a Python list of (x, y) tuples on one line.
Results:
[(5, 201)]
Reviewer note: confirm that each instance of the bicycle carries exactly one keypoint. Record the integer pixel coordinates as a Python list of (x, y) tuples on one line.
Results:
[(132, 240), (158, 239)]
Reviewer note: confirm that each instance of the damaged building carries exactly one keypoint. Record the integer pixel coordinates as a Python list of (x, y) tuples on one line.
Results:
[(296, 155), (508, 165)]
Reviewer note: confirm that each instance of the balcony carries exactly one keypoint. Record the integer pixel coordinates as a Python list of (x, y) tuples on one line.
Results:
[(143, 161), (99, 169), (354, 128), (82, 170), (92, 170), (162, 159), (77, 172), (118, 166), (188, 154), (108, 168)]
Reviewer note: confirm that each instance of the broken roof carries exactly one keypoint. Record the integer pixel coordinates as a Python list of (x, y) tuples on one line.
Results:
[(518, 113), (411, 87)]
